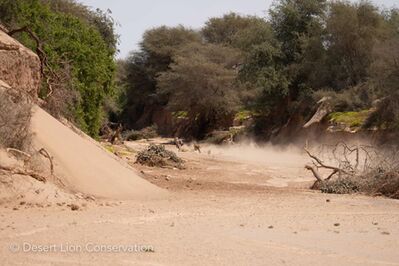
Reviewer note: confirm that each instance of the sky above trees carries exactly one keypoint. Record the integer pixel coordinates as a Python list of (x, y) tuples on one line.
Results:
[(136, 16)]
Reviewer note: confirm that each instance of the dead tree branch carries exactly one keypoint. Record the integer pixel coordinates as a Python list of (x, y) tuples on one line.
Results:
[(315, 172), (320, 164), (42, 56), (12, 150), (18, 171), (45, 153)]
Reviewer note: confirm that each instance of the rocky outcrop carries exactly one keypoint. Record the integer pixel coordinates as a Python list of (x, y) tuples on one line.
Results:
[(19, 66)]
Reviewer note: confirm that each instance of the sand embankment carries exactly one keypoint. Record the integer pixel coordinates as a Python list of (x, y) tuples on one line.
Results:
[(83, 166)]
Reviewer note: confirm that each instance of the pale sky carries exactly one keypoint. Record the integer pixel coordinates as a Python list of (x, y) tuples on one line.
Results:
[(136, 16)]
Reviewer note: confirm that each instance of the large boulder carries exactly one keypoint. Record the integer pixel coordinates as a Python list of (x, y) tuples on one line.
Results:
[(19, 66)]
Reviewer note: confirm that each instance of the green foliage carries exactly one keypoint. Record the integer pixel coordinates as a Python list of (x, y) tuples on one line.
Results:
[(202, 80), (98, 18), (74, 45), (294, 20), (352, 99), (162, 42), (243, 115), (180, 114), (351, 119), (265, 76), (235, 30), (142, 68), (276, 68), (353, 30), (384, 80)]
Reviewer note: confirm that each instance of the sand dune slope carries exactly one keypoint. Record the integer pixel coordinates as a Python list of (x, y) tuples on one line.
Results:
[(85, 167)]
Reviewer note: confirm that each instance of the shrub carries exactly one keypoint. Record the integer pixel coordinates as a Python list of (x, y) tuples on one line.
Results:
[(157, 155), (384, 183), (15, 117), (218, 137), (360, 168), (340, 186), (145, 133)]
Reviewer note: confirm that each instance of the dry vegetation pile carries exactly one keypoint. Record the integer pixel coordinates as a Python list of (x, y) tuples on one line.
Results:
[(157, 155), (353, 169)]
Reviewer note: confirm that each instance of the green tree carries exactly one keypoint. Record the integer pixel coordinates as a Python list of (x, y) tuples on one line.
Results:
[(352, 31), (98, 18), (384, 76), (75, 49), (231, 28), (293, 21), (201, 81), (158, 47), (160, 44)]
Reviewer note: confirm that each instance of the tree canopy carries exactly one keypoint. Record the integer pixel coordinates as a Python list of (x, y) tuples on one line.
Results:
[(79, 44), (275, 68)]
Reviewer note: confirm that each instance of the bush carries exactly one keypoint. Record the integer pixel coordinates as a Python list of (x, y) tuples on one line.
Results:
[(218, 137), (340, 186), (145, 133), (157, 155), (15, 117), (386, 115), (352, 99), (360, 168), (384, 183)]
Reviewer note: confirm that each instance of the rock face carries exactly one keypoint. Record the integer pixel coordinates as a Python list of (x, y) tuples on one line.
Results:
[(19, 66)]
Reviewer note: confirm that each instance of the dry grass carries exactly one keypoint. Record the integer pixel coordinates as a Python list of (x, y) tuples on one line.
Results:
[(383, 183), (15, 117)]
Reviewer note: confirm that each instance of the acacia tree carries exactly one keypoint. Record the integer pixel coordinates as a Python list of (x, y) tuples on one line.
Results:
[(158, 47), (201, 81), (231, 29)]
